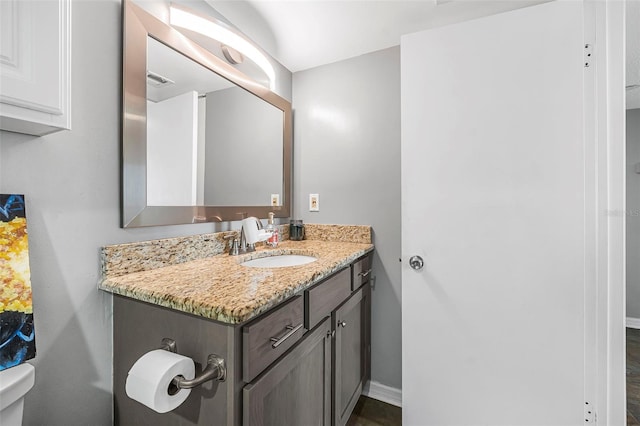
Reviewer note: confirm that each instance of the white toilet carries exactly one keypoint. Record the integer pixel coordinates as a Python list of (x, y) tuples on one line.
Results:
[(15, 382)]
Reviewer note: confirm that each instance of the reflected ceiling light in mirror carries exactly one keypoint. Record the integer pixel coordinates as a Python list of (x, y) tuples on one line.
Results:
[(209, 27)]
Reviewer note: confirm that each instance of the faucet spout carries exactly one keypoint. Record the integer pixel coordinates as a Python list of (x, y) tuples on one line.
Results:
[(243, 241)]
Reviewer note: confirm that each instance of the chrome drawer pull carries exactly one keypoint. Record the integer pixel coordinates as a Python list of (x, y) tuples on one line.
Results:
[(364, 273), (278, 341)]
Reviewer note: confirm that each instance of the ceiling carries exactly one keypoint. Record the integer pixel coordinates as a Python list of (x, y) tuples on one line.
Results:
[(183, 74), (303, 34)]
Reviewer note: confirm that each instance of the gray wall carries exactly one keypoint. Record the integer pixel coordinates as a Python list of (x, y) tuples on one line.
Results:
[(633, 214), (243, 149), (347, 149), (71, 180)]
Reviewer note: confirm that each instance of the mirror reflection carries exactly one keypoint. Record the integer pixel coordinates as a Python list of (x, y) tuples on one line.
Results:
[(209, 141)]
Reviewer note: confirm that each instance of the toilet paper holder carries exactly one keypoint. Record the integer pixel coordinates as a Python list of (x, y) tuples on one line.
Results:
[(216, 369)]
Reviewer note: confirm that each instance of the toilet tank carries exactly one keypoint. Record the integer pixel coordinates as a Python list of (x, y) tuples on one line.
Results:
[(15, 382)]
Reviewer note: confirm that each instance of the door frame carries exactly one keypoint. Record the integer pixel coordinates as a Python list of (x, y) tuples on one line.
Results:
[(607, 18)]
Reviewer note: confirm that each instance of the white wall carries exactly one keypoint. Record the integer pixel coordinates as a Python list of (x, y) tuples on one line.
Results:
[(172, 151), (633, 214), (71, 180), (347, 149)]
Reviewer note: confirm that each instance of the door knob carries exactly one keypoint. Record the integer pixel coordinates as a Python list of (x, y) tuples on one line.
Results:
[(416, 262)]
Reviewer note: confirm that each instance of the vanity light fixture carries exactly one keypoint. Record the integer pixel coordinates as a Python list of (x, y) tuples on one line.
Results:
[(232, 55), (209, 27)]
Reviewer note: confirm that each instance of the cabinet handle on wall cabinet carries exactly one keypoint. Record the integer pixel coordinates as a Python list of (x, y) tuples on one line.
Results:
[(342, 324), (277, 341)]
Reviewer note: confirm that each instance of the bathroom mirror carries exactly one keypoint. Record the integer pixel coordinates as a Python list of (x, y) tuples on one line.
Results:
[(201, 141)]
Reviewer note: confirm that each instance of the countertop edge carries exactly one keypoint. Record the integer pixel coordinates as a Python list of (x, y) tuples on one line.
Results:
[(216, 313)]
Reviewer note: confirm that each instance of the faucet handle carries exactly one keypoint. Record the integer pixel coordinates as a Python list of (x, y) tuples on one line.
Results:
[(234, 245), (235, 249), (231, 235)]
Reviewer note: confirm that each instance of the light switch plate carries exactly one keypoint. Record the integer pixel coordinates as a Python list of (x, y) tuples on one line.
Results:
[(275, 200), (314, 202)]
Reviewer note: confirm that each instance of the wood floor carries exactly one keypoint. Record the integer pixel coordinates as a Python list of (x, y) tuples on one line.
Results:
[(633, 376), (371, 412)]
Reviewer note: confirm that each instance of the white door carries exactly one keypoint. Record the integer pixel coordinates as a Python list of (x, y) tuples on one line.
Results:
[(494, 200)]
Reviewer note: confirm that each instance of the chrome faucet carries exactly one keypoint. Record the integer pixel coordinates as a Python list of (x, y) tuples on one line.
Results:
[(244, 247), (234, 250)]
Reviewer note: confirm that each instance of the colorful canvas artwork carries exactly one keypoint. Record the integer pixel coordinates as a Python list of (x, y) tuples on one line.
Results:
[(17, 343)]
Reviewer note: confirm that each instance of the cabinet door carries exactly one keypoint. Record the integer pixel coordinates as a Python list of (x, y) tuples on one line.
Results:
[(296, 390), (350, 360), (35, 66), (366, 294)]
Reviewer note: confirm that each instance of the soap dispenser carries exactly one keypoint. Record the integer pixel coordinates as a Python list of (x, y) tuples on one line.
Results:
[(271, 227)]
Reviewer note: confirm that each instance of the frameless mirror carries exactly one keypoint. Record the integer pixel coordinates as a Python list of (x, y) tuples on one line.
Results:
[(201, 141)]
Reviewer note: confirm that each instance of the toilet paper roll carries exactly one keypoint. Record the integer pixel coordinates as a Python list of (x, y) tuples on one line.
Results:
[(149, 379)]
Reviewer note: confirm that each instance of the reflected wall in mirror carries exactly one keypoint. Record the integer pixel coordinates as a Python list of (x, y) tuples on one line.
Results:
[(221, 144), (201, 141)]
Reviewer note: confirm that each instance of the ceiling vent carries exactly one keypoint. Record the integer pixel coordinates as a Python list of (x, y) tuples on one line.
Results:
[(156, 80)]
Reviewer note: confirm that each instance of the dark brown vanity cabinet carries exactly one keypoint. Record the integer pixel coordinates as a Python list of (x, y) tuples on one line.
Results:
[(297, 389), (269, 337), (350, 353), (303, 362), (319, 380)]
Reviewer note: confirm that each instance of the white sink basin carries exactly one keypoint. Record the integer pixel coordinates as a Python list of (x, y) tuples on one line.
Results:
[(281, 261)]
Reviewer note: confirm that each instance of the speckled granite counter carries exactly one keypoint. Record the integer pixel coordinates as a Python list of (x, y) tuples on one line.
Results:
[(218, 287)]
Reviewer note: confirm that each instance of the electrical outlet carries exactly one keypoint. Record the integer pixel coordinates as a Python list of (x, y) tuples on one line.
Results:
[(314, 202), (275, 200)]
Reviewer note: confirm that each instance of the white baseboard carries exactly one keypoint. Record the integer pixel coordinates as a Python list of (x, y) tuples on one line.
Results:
[(633, 322), (385, 393)]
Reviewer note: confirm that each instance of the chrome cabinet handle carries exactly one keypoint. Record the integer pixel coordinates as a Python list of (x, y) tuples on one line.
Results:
[(364, 274), (342, 324), (277, 341)]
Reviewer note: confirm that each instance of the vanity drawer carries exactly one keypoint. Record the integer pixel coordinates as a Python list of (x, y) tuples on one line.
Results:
[(268, 337), (324, 297), (361, 272)]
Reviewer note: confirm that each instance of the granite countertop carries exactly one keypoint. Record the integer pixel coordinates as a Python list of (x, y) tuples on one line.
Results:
[(219, 288)]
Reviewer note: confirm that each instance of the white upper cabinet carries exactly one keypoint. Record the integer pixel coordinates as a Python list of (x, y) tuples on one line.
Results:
[(35, 72)]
